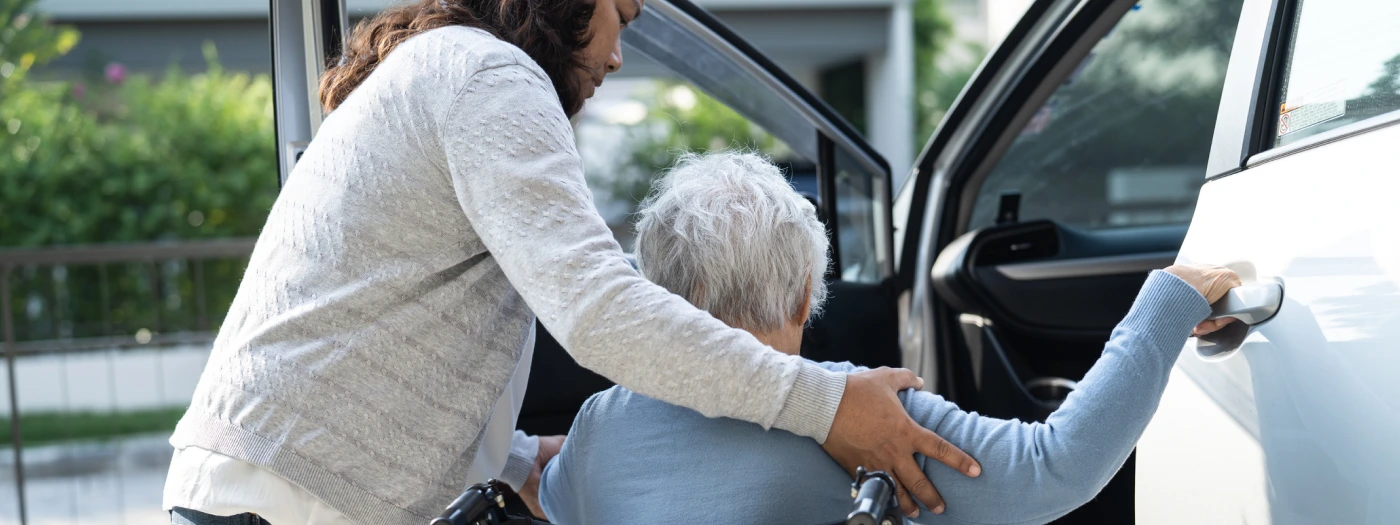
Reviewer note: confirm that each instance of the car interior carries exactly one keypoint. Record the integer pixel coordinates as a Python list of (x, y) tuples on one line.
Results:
[(1043, 245)]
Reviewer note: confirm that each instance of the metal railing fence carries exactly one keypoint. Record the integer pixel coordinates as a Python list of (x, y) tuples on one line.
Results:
[(60, 305)]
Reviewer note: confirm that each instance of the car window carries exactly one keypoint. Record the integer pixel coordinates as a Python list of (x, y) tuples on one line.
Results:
[(634, 129), (1124, 140), (1342, 66), (858, 194)]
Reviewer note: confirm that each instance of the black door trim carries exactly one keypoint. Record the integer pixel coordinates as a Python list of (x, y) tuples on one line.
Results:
[(1245, 121)]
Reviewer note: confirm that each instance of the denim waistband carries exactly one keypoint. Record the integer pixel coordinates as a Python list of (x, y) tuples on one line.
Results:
[(183, 516)]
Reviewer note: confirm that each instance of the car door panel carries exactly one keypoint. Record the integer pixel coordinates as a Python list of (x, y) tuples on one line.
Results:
[(1312, 390), (860, 325), (1224, 455), (1106, 160), (1030, 277), (1036, 302)]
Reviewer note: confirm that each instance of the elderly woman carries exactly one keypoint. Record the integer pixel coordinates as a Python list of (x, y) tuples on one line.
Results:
[(729, 234)]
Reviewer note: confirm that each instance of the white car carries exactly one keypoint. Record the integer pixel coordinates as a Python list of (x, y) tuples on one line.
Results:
[(1100, 140)]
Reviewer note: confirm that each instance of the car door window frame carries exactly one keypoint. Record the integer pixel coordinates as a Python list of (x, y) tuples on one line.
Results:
[(1241, 127), (1059, 69), (302, 33), (1051, 32)]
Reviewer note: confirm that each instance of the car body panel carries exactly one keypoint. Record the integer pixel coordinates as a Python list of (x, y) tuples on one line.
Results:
[(1311, 397)]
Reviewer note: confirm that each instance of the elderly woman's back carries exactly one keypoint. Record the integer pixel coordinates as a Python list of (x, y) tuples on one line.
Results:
[(729, 234)]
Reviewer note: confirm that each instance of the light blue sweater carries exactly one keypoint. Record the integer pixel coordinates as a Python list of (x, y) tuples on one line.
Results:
[(632, 459)]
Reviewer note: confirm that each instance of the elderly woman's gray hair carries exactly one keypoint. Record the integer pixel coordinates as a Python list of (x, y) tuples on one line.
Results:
[(727, 232)]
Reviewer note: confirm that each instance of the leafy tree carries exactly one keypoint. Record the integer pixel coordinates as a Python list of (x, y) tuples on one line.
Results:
[(188, 156), (28, 40), (939, 74)]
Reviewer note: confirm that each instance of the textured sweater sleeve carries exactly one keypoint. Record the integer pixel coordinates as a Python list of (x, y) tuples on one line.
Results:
[(511, 156), (1036, 472)]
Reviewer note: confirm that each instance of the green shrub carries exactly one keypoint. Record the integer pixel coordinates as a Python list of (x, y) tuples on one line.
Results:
[(140, 159), (188, 156)]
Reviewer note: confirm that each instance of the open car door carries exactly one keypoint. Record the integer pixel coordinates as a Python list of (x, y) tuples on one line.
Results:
[(852, 180), (1066, 171)]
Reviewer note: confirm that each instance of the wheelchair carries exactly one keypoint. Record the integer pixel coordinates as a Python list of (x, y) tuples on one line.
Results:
[(484, 504)]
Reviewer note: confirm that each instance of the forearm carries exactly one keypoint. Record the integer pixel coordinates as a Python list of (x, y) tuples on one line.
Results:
[(657, 344), (525, 196), (1032, 473)]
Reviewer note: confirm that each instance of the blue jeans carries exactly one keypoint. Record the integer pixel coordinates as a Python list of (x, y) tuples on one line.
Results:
[(183, 516)]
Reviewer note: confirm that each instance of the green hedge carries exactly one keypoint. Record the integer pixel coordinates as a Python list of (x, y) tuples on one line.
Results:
[(131, 159), (185, 156)]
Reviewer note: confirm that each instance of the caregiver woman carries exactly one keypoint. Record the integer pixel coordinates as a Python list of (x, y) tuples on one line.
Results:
[(374, 358)]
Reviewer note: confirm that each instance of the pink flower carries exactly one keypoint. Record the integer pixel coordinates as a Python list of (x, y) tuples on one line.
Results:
[(79, 90), (116, 73)]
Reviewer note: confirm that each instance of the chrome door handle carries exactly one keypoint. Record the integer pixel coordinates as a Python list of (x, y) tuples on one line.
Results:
[(1251, 304)]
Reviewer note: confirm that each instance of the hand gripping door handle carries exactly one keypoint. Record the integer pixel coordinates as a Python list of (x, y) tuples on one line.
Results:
[(1251, 304)]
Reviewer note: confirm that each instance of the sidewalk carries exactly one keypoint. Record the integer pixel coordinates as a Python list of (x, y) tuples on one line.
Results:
[(113, 482), (116, 482)]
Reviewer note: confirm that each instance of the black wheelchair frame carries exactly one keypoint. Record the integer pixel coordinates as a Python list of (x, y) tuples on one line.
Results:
[(484, 504)]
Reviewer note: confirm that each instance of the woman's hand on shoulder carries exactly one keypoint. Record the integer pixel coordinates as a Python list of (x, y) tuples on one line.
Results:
[(1211, 282)]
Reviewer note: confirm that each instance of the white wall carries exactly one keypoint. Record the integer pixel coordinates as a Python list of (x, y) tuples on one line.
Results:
[(1002, 15), (107, 380), (889, 92)]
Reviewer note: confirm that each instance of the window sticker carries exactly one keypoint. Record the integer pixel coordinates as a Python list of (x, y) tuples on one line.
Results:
[(1321, 106)]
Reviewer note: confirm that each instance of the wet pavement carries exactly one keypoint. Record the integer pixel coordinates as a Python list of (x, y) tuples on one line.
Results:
[(118, 481), (115, 482)]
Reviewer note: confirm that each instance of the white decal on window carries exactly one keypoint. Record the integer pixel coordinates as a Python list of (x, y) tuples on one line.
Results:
[(1310, 115)]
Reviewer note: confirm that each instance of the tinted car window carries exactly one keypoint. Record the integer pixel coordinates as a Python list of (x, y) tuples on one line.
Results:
[(1343, 66), (635, 128), (858, 197), (1124, 140)]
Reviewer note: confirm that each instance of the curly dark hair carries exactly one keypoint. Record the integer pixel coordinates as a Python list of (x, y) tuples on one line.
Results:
[(552, 32)]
